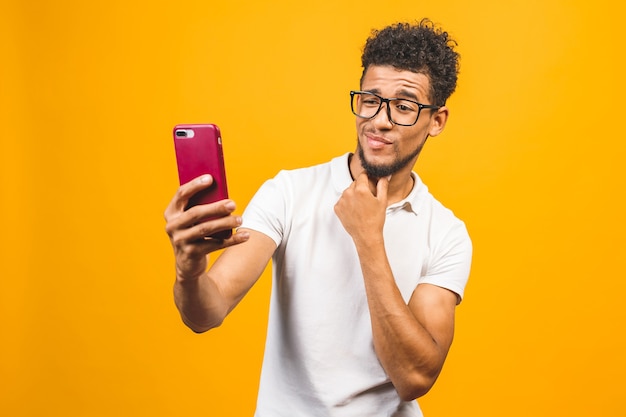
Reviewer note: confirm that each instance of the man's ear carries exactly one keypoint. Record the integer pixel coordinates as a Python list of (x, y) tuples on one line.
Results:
[(438, 121)]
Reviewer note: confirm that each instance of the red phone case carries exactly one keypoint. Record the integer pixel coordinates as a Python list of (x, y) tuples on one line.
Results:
[(199, 151)]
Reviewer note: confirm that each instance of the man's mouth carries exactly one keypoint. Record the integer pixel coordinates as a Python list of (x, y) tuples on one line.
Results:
[(377, 142)]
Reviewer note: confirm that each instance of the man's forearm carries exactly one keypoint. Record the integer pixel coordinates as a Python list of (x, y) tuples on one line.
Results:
[(199, 303), (407, 351)]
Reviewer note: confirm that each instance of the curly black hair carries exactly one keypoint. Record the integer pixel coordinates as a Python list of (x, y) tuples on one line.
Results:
[(421, 48)]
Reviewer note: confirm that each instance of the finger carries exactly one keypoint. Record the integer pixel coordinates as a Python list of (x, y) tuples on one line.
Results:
[(181, 225), (360, 182), (235, 239), (362, 178), (367, 183), (198, 241), (185, 192), (212, 226), (202, 212), (382, 187), (207, 245)]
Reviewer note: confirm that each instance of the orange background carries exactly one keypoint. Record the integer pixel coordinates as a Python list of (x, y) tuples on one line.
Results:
[(532, 159)]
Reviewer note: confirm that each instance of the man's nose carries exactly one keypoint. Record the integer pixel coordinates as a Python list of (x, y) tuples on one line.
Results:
[(383, 119)]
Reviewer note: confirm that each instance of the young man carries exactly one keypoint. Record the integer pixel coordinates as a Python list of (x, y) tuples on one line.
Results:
[(368, 266)]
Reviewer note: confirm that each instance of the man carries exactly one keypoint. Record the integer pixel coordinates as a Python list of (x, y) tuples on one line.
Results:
[(368, 266)]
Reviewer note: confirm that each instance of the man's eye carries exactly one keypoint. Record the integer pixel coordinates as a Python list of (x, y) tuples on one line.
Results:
[(371, 102), (404, 107)]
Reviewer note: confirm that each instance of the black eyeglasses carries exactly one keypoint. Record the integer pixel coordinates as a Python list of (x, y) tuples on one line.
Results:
[(401, 111)]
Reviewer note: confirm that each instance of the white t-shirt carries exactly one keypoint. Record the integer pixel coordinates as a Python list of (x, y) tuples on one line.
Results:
[(319, 354)]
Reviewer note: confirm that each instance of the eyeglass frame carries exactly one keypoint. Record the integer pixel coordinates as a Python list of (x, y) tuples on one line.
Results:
[(420, 106)]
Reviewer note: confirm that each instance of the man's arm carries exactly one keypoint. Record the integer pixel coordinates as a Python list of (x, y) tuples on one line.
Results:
[(205, 302), (411, 341), (204, 298)]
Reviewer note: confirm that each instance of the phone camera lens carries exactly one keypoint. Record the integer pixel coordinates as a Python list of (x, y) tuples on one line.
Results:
[(181, 133)]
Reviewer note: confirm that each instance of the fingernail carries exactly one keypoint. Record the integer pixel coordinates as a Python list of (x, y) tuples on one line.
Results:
[(204, 179), (230, 205)]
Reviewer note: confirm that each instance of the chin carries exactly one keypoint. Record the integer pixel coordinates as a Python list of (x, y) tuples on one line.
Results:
[(379, 170), (374, 170)]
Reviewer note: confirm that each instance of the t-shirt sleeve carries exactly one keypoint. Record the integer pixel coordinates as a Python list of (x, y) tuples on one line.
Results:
[(451, 261), (266, 212)]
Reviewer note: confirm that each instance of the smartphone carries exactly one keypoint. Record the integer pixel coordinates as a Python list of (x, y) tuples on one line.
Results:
[(199, 151)]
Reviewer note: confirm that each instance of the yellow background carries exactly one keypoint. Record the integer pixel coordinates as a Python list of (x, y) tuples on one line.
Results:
[(532, 160)]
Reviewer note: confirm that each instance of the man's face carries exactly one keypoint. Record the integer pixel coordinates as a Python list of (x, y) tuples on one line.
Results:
[(384, 148)]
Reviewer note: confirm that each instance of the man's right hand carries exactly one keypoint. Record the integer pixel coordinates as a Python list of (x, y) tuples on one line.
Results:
[(189, 229)]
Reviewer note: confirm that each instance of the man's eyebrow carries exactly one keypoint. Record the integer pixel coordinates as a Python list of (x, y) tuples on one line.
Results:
[(407, 94), (403, 93), (373, 90)]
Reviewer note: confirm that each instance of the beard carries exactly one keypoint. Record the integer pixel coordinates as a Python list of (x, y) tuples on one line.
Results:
[(382, 171)]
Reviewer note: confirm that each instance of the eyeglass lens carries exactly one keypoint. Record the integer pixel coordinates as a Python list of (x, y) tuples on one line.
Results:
[(367, 105)]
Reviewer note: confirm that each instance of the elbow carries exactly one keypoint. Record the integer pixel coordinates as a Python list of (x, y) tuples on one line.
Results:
[(413, 393), (416, 386), (197, 329), (201, 328), (418, 378)]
